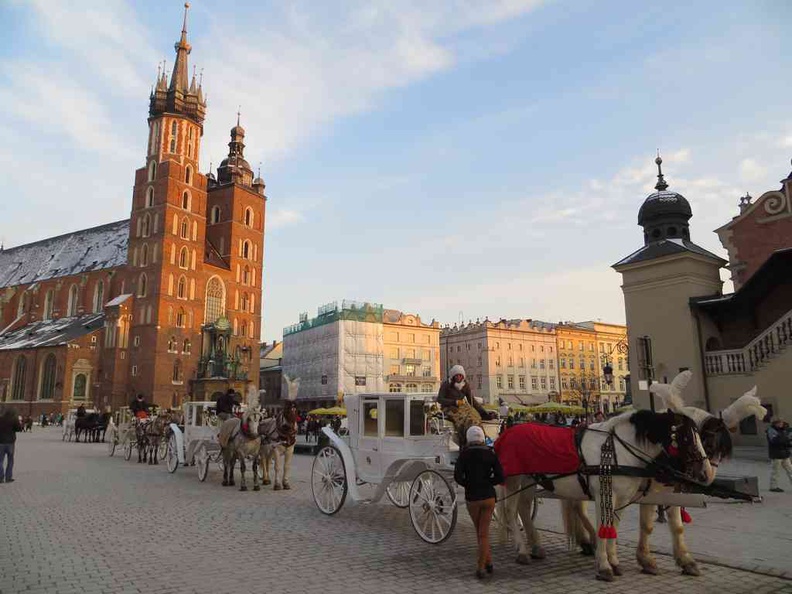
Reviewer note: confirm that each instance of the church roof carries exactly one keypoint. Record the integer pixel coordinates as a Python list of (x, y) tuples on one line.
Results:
[(666, 247), (73, 253), (51, 333)]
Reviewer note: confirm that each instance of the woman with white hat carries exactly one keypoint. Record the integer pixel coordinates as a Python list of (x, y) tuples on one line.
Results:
[(456, 399), (478, 470)]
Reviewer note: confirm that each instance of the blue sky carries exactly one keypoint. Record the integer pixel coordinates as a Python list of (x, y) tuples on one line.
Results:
[(449, 158)]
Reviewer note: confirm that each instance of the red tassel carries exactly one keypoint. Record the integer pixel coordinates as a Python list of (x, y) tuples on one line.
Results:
[(612, 533), (607, 532), (602, 532), (686, 517), (673, 451)]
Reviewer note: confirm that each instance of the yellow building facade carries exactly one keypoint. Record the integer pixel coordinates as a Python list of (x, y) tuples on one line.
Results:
[(411, 353)]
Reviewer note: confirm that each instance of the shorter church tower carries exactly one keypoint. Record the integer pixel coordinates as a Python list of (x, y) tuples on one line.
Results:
[(659, 280)]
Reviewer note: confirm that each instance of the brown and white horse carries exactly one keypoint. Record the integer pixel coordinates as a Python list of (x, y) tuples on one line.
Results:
[(635, 440)]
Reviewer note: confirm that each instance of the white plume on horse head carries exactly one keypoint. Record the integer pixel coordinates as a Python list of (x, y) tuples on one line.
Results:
[(292, 386), (252, 397), (672, 394), (746, 405)]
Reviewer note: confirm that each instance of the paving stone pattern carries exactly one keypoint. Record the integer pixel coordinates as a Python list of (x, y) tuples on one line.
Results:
[(77, 521)]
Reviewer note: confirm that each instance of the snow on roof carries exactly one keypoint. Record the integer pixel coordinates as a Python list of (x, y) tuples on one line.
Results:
[(49, 333), (118, 300), (74, 253)]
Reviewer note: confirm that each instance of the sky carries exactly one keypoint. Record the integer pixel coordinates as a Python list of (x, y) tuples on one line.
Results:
[(458, 159)]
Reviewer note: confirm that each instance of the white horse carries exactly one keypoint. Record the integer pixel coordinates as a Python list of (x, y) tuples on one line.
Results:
[(714, 432), (240, 440), (279, 434), (638, 439)]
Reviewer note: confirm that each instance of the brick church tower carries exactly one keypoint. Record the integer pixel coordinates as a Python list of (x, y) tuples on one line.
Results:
[(195, 254)]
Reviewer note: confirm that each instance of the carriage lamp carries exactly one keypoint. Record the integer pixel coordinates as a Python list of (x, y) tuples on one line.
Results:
[(607, 372)]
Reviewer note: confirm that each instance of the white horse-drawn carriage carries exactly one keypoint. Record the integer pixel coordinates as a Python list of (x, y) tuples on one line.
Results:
[(121, 431), (70, 421), (401, 445), (196, 444)]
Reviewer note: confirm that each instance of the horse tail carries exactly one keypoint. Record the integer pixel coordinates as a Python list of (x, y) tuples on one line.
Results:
[(572, 514), (500, 509)]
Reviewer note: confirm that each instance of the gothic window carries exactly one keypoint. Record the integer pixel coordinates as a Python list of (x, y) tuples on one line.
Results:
[(149, 197), (144, 255), (142, 285), (174, 132), (246, 249), (185, 228), (244, 302), (181, 318), (183, 258), (146, 227), (188, 173), (23, 303), (171, 344), (246, 276), (72, 309), (181, 288), (48, 369), (177, 372), (98, 300), (80, 382), (149, 313), (48, 304), (186, 200), (187, 347), (18, 383), (152, 170), (215, 300), (248, 217), (215, 216), (243, 328)]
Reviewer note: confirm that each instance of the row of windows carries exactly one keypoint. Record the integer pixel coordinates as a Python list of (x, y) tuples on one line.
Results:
[(411, 370), (521, 363), (573, 383), (409, 337), (508, 347), (410, 388), (536, 382), (173, 345), (72, 306), (424, 354), (563, 363), (48, 380)]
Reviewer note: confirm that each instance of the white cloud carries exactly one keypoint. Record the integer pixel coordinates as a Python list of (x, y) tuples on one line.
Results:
[(281, 217), (751, 171)]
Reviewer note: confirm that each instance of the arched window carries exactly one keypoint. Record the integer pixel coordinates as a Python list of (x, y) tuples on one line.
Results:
[(183, 258), (49, 300), (174, 132), (149, 197), (188, 173), (394, 387), (177, 372), (18, 382), (146, 228), (80, 382), (246, 251), (144, 255), (185, 228), (245, 302), (181, 288), (186, 200), (411, 388), (98, 300), (171, 344), (186, 347), (248, 217), (246, 276), (142, 285), (215, 215), (152, 170), (174, 128), (72, 309), (23, 304), (215, 300), (149, 313), (181, 318), (243, 328), (48, 370)]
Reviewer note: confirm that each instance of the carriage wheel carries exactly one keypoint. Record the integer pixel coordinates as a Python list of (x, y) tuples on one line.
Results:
[(172, 454), (202, 460), (329, 480), (433, 510), (111, 445), (128, 451), (399, 493), (163, 449)]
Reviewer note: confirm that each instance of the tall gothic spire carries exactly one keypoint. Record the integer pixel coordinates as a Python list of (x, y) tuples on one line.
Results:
[(179, 78), (661, 185)]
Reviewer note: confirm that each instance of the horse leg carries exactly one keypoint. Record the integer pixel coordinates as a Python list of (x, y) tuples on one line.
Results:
[(604, 569), (613, 556), (683, 557), (226, 463), (643, 553), (242, 483), (588, 534), (287, 459), (513, 484), (256, 463), (233, 455), (526, 500), (278, 453), (266, 460)]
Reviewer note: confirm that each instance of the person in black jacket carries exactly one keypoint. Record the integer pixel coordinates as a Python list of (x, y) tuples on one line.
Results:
[(478, 471), (9, 427), (139, 407), (779, 441), (225, 404), (458, 403)]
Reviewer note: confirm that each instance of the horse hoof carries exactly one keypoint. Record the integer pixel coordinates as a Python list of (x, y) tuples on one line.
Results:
[(691, 569), (225, 483), (616, 570), (277, 487), (587, 549), (243, 488), (538, 552), (256, 488), (649, 569), (267, 482), (522, 559), (286, 486), (605, 575)]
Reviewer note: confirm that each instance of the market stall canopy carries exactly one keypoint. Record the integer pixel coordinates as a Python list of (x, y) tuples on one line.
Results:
[(332, 411), (555, 407)]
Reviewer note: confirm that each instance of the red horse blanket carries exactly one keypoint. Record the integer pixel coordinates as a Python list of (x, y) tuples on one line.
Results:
[(533, 448)]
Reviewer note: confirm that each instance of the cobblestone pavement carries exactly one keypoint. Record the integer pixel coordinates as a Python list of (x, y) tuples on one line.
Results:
[(77, 521)]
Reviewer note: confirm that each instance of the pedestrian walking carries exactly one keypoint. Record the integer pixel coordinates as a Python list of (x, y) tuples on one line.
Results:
[(9, 427), (779, 441), (478, 471)]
